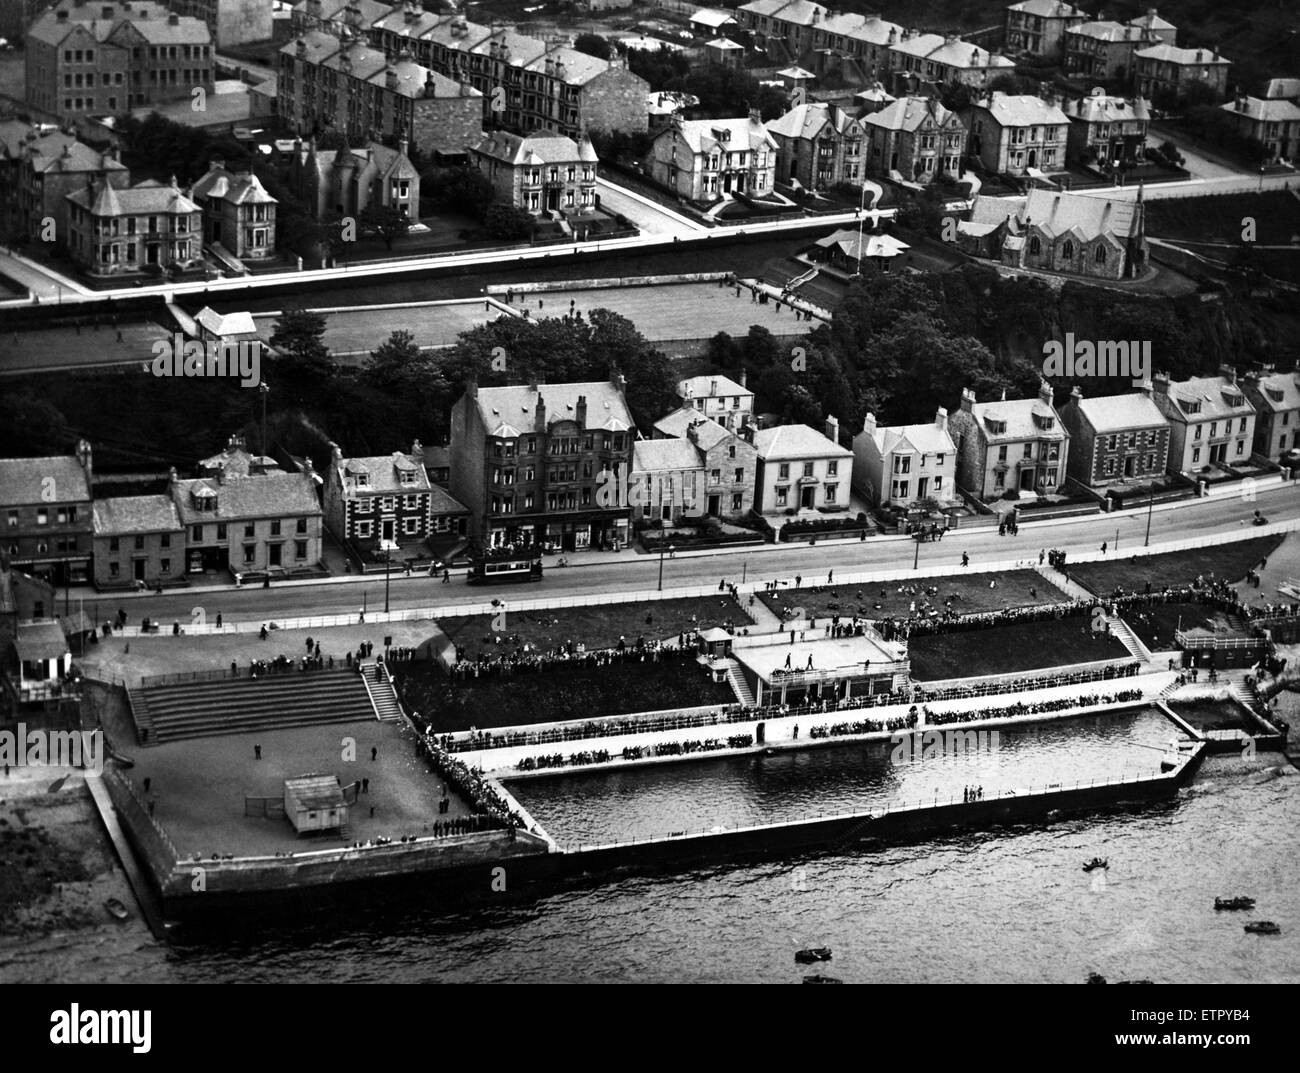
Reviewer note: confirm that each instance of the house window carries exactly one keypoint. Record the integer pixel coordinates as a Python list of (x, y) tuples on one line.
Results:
[(248, 531), (221, 531), (42, 517), (302, 525), (139, 543), (1002, 453), (166, 566), (832, 468), (300, 549), (275, 527), (782, 496), (411, 526), (365, 529), (737, 502), (113, 544), (114, 569), (831, 491), (250, 553), (783, 471), (1196, 454), (1241, 447), (13, 519), (196, 534), (807, 469), (166, 540)]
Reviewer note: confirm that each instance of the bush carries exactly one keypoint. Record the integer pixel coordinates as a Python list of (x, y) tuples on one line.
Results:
[(507, 222)]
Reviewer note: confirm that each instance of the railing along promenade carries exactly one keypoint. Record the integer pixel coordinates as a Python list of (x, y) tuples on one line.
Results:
[(876, 814), (725, 715), (846, 577)]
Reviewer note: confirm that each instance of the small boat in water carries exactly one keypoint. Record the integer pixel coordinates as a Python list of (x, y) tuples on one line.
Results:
[(1234, 903), (1095, 863), (818, 953), (818, 978), (116, 909), (1263, 927)]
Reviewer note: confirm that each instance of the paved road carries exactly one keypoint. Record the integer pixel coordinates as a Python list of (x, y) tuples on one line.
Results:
[(633, 571)]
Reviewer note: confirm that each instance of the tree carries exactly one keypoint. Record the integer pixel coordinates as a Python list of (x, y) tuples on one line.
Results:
[(299, 343), (659, 67), (386, 221), (392, 364), (594, 45), (31, 425), (724, 351), (464, 189), (507, 222)]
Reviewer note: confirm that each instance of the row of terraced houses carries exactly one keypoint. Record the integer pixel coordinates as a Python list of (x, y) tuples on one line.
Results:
[(563, 464)]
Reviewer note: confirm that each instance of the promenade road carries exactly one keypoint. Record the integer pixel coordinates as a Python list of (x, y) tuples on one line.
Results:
[(627, 570)]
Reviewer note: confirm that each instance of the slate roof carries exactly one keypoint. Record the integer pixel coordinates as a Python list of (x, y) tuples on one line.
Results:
[(926, 439), (226, 323), (1101, 108), (1275, 110), (1279, 391), (1182, 56), (1151, 21), (871, 245), (702, 135), (801, 12), (22, 480), (149, 197), (123, 515), (151, 21), (52, 152), (1022, 110), (1019, 415), (383, 473), (678, 421), (808, 121), (512, 411), (712, 17), (1052, 9), (1108, 30), (673, 454), (794, 442), (951, 52), (872, 30), (1114, 413), (1055, 212), (1210, 391), (40, 640), (535, 149), (908, 113), (271, 495), (237, 188), (699, 387), (440, 502)]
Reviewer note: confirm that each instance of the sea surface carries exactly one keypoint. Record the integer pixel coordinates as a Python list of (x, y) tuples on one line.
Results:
[(1006, 905)]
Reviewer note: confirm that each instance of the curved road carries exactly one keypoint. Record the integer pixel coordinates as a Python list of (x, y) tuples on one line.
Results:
[(635, 571)]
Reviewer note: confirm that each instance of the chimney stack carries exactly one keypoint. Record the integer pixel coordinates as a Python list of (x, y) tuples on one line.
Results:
[(833, 429), (1229, 373), (1045, 392), (941, 419), (869, 424), (967, 399)]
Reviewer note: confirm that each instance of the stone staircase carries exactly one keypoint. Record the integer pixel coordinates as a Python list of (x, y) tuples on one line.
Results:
[(738, 684), (1120, 629), (1071, 589), (388, 709)]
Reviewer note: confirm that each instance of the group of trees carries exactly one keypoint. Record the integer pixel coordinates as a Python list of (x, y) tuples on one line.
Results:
[(467, 191), (723, 91)]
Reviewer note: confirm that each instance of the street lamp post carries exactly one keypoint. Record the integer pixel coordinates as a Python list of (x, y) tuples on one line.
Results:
[(1151, 498), (661, 559), (916, 559), (263, 390)]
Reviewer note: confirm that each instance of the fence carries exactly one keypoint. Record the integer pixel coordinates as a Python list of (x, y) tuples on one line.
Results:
[(875, 814), (1013, 682), (153, 841)]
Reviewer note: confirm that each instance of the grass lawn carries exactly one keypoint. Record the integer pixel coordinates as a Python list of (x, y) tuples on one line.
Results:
[(596, 627), (1155, 626), (894, 599), (1022, 646), (1224, 561), (556, 696)]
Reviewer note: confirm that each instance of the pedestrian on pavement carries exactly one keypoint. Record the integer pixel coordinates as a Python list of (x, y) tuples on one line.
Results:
[(1103, 547), (365, 786), (257, 752), (361, 615), (218, 620), (830, 576), (374, 753), (965, 559), (1042, 554)]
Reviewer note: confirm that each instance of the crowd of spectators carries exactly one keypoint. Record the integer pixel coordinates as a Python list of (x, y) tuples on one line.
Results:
[(470, 784), (971, 715), (865, 726), (528, 659), (1016, 685)]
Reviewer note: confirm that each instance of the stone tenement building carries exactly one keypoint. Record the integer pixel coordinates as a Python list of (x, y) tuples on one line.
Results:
[(231, 22), (45, 514), (708, 159), (538, 463), (94, 58), (1009, 444), (1012, 133), (150, 225), (1115, 438), (1166, 69), (527, 84), (820, 145), (238, 213), (328, 83), (1039, 26), (918, 138), (1273, 121), (40, 169)]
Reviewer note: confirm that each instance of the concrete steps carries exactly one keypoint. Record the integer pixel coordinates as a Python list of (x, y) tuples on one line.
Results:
[(1071, 588), (1128, 638), (739, 686), (388, 709), (241, 705)]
